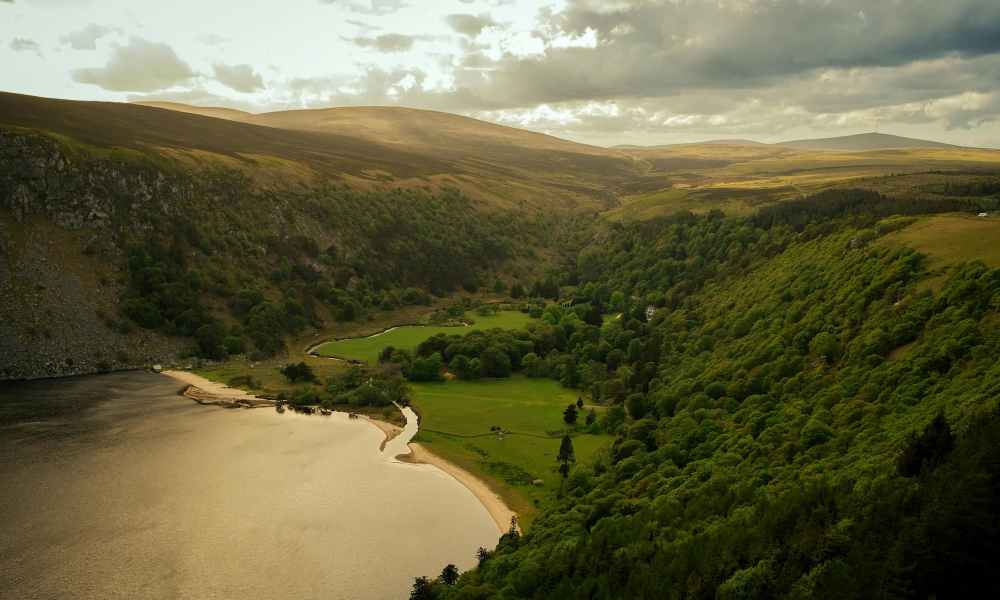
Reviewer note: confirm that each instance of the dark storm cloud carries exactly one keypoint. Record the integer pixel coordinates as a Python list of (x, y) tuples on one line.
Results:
[(659, 49)]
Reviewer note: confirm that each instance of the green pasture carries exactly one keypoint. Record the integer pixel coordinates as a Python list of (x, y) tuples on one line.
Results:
[(409, 336), (456, 418)]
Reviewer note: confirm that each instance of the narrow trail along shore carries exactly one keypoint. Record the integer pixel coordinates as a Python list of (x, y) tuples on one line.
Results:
[(208, 390)]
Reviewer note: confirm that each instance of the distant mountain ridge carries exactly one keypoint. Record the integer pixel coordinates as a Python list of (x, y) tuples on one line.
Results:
[(846, 143), (719, 142), (864, 141)]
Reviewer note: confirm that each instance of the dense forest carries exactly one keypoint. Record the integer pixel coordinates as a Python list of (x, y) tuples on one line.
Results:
[(238, 262), (798, 414), (390, 249)]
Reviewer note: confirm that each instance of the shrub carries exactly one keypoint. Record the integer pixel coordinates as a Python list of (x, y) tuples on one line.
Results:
[(296, 372), (426, 368)]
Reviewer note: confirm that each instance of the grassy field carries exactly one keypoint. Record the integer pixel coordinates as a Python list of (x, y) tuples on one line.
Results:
[(509, 465), (409, 336), (951, 239)]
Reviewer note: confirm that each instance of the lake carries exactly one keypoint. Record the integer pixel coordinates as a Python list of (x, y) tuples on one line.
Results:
[(122, 489)]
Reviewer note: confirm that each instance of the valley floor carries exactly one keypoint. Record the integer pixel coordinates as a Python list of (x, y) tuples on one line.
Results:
[(513, 473)]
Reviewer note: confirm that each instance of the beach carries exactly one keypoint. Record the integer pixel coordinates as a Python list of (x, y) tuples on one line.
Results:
[(497, 508)]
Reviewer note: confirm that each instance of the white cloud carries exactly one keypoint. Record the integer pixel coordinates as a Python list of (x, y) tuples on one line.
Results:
[(86, 38), (140, 66), (240, 78), (20, 44)]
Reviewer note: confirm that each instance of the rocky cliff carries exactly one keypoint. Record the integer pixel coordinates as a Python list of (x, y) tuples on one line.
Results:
[(61, 220)]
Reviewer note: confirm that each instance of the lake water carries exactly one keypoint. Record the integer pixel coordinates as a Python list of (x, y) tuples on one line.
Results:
[(126, 490)]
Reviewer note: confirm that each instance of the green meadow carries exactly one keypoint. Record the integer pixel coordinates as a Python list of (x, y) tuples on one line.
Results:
[(408, 337), (456, 418)]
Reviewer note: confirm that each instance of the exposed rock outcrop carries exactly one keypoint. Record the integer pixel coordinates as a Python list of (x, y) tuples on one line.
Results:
[(61, 222)]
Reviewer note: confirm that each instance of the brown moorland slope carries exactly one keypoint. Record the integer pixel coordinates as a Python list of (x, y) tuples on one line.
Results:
[(509, 158), (734, 175), (384, 147), (739, 178), (216, 112), (864, 141), (364, 147)]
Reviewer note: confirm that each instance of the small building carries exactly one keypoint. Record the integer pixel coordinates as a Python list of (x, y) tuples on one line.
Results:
[(982, 214), (650, 311)]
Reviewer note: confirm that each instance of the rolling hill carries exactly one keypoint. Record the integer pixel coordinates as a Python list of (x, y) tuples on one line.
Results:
[(864, 141), (473, 150), (128, 229), (364, 148)]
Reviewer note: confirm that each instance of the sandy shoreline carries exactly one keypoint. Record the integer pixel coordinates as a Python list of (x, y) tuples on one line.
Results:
[(497, 508), (389, 429), (207, 385), (494, 505)]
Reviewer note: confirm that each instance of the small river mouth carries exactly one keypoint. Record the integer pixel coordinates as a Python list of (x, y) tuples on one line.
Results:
[(145, 494)]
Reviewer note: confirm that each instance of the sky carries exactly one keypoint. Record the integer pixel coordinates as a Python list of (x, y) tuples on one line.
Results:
[(600, 72)]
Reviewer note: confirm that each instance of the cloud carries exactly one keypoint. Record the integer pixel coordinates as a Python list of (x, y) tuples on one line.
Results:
[(371, 7), (656, 69), (241, 78), (735, 66), (387, 42), (662, 48), (376, 87), (86, 38), (141, 66), (20, 44), (470, 25), (212, 39), (362, 25)]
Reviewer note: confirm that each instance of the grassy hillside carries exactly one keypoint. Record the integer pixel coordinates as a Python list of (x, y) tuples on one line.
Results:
[(950, 240)]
